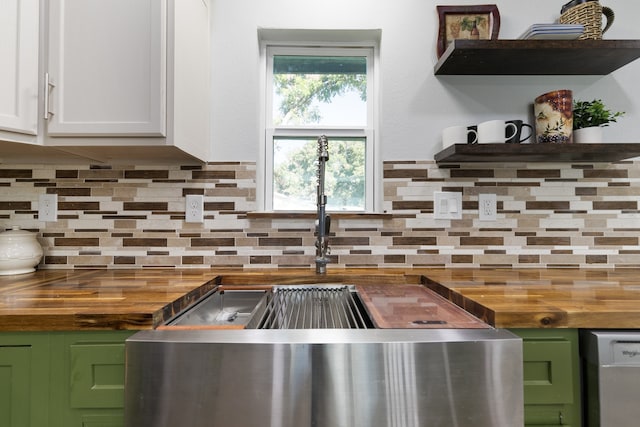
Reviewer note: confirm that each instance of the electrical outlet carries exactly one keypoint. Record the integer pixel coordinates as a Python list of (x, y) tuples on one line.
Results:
[(48, 207), (487, 207), (447, 205), (194, 208)]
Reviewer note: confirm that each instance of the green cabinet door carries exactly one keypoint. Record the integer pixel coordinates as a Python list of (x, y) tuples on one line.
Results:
[(90, 377), (15, 366), (551, 377), (24, 380), (96, 375), (62, 379)]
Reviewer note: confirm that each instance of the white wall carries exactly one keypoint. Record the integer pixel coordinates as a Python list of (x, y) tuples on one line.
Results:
[(415, 104)]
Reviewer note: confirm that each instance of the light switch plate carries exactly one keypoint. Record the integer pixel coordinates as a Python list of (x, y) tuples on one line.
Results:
[(48, 207), (194, 208), (447, 205)]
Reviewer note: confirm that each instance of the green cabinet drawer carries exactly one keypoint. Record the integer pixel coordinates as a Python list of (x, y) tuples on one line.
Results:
[(96, 375), (102, 421), (547, 415)]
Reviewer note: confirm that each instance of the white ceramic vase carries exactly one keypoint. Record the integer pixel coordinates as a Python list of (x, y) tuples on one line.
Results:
[(590, 135)]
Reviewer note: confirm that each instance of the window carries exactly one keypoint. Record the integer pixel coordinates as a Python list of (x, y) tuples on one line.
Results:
[(313, 91)]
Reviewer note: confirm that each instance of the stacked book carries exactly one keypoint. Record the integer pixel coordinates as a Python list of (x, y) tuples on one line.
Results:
[(553, 32)]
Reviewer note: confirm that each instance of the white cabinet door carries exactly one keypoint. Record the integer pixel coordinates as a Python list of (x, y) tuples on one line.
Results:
[(19, 38), (107, 68)]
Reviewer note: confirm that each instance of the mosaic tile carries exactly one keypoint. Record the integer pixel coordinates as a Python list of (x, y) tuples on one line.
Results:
[(565, 215)]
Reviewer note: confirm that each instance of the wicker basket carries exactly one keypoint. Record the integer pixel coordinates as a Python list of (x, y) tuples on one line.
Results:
[(589, 14)]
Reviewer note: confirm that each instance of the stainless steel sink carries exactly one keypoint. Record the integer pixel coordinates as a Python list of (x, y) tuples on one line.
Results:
[(308, 356)]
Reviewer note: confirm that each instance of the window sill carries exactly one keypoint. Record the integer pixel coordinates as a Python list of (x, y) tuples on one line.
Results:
[(314, 215)]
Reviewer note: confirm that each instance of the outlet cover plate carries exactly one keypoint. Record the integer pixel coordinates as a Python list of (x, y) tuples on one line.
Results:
[(48, 207), (447, 205), (487, 207), (194, 208)]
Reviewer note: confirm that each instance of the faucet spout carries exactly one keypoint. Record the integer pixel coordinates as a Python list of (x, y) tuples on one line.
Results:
[(323, 222)]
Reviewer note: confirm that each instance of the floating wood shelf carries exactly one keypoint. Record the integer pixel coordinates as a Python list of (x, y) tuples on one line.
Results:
[(497, 153), (536, 57)]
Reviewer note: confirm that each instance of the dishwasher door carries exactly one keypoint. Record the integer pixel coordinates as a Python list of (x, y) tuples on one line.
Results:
[(611, 377)]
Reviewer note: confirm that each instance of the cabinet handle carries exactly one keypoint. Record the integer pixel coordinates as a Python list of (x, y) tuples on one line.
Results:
[(47, 87)]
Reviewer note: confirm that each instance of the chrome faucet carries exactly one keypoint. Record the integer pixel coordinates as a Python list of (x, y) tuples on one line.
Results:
[(323, 223)]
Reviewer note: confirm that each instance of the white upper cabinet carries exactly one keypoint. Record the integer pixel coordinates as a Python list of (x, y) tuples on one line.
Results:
[(106, 80), (107, 68), (128, 80), (19, 33)]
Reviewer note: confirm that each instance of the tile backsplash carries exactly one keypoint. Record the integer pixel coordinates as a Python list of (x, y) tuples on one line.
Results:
[(549, 215)]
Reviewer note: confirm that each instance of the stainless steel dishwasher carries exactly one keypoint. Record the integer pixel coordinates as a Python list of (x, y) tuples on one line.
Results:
[(611, 377)]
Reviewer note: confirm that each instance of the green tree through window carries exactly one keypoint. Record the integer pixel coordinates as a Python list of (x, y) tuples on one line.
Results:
[(295, 175), (297, 94)]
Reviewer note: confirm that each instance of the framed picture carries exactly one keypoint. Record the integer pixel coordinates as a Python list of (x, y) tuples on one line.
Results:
[(481, 22)]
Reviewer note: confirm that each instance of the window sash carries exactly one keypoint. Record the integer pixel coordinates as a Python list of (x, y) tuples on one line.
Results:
[(265, 199), (367, 134), (319, 51)]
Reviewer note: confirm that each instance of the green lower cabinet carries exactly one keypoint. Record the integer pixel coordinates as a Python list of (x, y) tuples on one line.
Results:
[(24, 379), (551, 377), (76, 379), (15, 374), (91, 376), (62, 379)]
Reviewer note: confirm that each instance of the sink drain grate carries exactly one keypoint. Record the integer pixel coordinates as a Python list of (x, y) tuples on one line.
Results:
[(314, 307)]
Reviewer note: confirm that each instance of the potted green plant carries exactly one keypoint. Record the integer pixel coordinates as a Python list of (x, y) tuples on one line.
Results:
[(589, 117)]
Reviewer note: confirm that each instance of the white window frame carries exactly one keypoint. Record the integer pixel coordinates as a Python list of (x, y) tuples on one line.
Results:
[(265, 166)]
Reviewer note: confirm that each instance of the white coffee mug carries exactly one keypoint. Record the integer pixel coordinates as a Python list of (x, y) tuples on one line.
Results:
[(495, 131), (457, 135)]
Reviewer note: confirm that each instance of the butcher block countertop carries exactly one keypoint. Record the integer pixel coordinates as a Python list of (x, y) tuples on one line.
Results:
[(97, 299), (544, 298), (143, 298)]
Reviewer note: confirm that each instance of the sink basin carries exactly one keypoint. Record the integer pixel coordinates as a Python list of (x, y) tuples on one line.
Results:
[(279, 307), (325, 306), (223, 309)]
